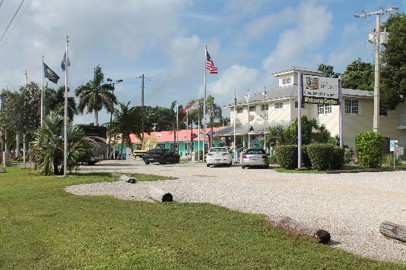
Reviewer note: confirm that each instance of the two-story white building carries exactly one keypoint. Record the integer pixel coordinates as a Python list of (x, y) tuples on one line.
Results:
[(256, 112)]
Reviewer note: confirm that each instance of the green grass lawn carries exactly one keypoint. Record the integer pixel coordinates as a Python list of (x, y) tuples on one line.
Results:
[(44, 227)]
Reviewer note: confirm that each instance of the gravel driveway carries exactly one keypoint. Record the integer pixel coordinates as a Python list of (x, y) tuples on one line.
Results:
[(350, 206)]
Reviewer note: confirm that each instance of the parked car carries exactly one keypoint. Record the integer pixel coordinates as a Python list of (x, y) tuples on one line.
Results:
[(254, 157), (218, 156), (160, 155)]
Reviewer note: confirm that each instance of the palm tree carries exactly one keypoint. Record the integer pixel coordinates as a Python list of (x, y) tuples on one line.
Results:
[(214, 111), (55, 100), (96, 95), (48, 145), (124, 123)]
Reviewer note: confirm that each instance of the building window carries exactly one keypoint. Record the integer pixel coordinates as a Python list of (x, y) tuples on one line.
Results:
[(351, 106), (297, 104), (324, 109), (264, 107), (279, 105), (383, 110), (239, 110), (287, 80), (252, 108)]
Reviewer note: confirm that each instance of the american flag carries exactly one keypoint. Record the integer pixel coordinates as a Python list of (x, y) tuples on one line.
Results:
[(65, 62), (210, 64)]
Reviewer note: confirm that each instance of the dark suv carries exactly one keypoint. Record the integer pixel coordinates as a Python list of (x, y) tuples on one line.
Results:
[(161, 155)]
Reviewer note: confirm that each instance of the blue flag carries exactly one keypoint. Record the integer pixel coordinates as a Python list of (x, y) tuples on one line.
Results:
[(65, 62), (50, 74)]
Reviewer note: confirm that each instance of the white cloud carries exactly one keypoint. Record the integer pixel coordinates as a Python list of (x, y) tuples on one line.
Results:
[(235, 78), (299, 45)]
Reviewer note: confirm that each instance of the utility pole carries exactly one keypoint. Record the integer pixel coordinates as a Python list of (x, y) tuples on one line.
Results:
[(142, 108), (377, 41)]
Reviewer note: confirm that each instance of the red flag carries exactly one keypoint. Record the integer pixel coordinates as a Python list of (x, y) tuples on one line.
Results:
[(210, 64)]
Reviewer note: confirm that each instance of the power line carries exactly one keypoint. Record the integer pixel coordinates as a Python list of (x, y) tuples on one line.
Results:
[(12, 19), (14, 26)]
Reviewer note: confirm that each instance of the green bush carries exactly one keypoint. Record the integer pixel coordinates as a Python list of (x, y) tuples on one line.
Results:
[(286, 156), (320, 155), (369, 149), (305, 157), (337, 162)]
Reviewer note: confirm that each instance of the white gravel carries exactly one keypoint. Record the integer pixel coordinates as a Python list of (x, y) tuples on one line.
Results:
[(350, 206)]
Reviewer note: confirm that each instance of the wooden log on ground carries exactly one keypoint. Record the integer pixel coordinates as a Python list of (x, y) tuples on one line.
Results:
[(292, 226), (159, 195), (128, 179), (393, 230)]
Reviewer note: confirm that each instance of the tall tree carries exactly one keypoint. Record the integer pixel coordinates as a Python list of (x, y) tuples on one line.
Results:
[(358, 75), (55, 101), (393, 72), (96, 95), (328, 70), (215, 115), (124, 123)]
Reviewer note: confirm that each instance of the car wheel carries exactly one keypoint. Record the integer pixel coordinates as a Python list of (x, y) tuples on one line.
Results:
[(243, 166), (208, 165), (146, 163), (231, 163)]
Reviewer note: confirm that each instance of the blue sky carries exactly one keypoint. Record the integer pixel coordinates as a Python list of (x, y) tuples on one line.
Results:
[(164, 39)]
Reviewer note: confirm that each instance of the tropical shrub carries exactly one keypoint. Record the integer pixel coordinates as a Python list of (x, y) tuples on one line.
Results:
[(320, 155), (286, 156), (369, 149), (48, 146), (337, 161)]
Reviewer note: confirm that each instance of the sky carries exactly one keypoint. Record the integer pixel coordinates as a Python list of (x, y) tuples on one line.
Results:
[(165, 40)]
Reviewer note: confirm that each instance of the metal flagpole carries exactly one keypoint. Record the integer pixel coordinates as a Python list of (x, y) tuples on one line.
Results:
[(235, 112), (65, 132), (340, 106), (299, 121), (204, 101), (42, 93)]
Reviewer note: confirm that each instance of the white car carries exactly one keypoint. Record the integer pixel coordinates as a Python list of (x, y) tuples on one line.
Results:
[(218, 156)]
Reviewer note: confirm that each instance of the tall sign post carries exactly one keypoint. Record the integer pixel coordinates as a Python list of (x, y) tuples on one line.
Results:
[(316, 90)]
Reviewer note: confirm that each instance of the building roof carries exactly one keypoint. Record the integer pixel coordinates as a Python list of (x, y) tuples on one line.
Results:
[(295, 69), (168, 136), (291, 92)]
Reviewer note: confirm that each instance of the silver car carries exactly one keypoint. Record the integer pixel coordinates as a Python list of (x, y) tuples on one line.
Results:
[(254, 157), (218, 156)]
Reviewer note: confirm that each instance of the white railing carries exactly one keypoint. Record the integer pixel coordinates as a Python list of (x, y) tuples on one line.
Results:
[(402, 120)]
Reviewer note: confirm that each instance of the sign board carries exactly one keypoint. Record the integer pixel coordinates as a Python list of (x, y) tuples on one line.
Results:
[(320, 90), (392, 145)]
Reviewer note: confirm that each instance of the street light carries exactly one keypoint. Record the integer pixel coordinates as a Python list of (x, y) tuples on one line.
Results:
[(377, 42), (112, 83)]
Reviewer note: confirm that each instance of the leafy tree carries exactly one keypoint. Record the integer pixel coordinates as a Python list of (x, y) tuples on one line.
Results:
[(328, 70), (48, 145), (96, 95), (393, 71), (311, 132), (21, 112), (358, 75)]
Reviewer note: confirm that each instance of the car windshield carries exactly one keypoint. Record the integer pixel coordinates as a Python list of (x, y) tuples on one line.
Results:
[(255, 151), (219, 150), (156, 150)]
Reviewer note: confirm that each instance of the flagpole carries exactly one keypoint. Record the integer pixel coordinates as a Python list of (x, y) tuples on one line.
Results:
[(65, 132), (204, 101), (42, 92)]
